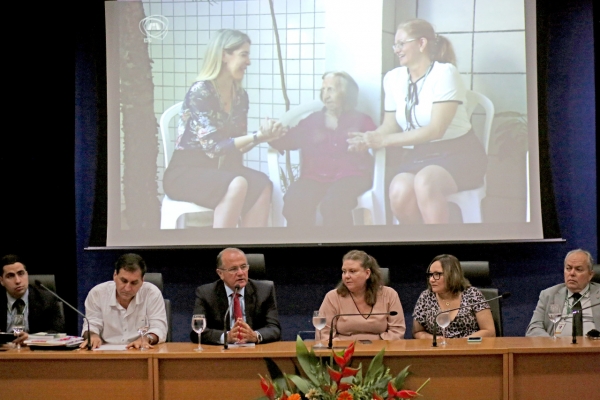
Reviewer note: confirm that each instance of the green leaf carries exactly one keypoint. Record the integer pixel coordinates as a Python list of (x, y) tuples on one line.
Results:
[(375, 366), (401, 377), (302, 384), (307, 360)]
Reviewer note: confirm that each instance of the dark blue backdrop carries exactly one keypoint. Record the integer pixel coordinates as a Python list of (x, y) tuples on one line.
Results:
[(304, 274)]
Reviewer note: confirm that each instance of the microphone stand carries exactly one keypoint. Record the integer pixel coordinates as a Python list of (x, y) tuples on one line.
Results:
[(89, 342), (434, 343), (573, 312), (335, 318), (225, 344)]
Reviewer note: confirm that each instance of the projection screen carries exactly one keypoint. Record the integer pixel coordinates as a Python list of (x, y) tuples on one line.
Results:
[(155, 50)]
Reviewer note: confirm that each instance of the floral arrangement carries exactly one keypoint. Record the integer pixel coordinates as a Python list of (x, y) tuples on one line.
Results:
[(337, 380)]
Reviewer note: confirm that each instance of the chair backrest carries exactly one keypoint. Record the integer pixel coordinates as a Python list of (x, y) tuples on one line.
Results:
[(297, 113), (156, 279), (168, 141), (474, 99), (477, 272), (385, 276), (257, 269), (596, 277), (50, 282), (46, 280)]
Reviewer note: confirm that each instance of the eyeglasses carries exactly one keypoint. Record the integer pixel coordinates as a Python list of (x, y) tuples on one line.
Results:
[(399, 45), (436, 275), (235, 270)]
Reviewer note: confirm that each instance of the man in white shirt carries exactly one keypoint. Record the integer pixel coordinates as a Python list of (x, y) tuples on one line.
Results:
[(116, 309), (577, 292)]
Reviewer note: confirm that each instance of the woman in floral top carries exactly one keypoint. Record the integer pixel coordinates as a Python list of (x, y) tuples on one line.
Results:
[(447, 288), (206, 167)]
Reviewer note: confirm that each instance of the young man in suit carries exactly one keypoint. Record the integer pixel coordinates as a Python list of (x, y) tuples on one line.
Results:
[(41, 309), (252, 318)]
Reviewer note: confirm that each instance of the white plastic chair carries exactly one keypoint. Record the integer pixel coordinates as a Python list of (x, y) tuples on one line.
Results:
[(373, 200), (469, 201), (172, 210)]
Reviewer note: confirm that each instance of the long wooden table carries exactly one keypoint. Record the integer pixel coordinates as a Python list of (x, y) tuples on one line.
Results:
[(497, 368)]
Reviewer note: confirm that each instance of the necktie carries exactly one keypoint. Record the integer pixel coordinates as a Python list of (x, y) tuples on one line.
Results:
[(577, 318), (18, 306), (237, 307)]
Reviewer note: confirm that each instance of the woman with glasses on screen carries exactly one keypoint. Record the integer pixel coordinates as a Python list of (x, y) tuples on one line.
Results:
[(207, 166), (425, 107), (447, 288), (361, 292)]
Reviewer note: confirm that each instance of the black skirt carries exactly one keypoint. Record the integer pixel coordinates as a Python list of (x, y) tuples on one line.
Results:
[(463, 157)]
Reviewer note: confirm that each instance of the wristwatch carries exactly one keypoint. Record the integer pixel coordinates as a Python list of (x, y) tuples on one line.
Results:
[(151, 338), (255, 137)]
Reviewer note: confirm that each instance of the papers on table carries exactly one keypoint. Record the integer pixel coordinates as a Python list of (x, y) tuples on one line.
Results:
[(112, 347), (50, 340), (240, 345)]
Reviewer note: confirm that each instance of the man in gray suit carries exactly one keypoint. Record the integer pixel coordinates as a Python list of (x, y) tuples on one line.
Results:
[(256, 321), (578, 288)]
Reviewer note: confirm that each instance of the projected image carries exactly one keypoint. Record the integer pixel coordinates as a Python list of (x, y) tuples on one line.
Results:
[(320, 121)]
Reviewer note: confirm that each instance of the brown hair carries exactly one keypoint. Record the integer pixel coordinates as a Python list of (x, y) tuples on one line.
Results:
[(374, 282), (439, 47), (453, 274)]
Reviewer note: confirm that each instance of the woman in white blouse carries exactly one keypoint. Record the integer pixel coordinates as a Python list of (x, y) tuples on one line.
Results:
[(425, 108)]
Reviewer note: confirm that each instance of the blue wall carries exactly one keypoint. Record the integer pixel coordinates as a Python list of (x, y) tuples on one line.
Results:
[(304, 274)]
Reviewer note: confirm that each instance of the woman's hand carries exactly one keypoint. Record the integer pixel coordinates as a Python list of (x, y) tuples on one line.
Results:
[(370, 139), (270, 130), (356, 142)]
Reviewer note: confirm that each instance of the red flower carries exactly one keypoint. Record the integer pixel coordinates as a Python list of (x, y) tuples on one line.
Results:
[(345, 396), (403, 394), (344, 358), (344, 386), (336, 376), (349, 372), (376, 396), (267, 388), (407, 394), (294, 396)]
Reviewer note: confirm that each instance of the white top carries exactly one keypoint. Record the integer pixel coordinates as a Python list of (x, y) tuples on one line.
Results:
[(117, 325), (441, 84)]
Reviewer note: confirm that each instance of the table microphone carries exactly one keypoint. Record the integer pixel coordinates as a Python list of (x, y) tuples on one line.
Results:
[(225, 345), (89, 342), (573, 312), (504, 295), (335, 317)]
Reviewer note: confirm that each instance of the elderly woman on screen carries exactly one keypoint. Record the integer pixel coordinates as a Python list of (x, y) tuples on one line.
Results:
[(425, 107), (331, 177), (447, 288), (207, 167), (361, 292)]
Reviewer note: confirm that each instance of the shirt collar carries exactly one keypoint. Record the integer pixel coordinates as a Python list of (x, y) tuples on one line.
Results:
[(229, 291), (585, 292), (11, 300)]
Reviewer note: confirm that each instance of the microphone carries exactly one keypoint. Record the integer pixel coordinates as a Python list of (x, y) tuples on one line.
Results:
[(504, 295), (225, 345), (335, 317), (573, 312), (89, 342)]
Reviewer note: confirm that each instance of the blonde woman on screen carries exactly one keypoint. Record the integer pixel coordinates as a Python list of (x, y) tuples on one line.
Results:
[(207, 167)]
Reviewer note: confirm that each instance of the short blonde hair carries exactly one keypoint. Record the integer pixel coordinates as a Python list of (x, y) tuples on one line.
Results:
[(228, 40)]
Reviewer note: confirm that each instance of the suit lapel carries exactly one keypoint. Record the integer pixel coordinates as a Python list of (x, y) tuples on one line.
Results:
[(222, 302), (250, 302), (595, 298)]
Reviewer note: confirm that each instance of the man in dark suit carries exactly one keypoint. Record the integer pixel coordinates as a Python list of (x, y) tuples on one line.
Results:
[(256, 311), (40, 308)]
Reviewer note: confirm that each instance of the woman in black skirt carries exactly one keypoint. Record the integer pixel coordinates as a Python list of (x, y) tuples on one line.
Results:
[(425, 107), (206, 167)]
